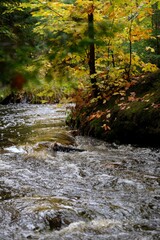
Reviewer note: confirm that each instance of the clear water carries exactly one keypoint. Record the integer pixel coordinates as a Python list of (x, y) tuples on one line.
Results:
[(105, 192)]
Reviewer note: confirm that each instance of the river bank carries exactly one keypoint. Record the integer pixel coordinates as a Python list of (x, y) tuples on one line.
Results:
[(130, 118)]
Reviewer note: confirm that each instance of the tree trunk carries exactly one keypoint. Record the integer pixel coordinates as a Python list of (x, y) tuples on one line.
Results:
[(156, 30), (91, 62)]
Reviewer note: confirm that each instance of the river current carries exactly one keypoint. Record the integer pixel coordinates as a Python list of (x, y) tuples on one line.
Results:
[(107, 191)]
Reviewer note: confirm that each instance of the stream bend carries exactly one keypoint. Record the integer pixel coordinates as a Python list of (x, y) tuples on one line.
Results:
[(104, 192)]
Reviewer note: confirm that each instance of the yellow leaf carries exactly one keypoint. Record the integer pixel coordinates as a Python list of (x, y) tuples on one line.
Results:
[(108, 115), (106, 127)]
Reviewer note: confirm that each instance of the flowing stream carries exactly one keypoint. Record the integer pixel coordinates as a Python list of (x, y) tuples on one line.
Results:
[(104, 192)]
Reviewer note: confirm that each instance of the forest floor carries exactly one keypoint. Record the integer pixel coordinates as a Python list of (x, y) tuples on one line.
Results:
[(130, 119)]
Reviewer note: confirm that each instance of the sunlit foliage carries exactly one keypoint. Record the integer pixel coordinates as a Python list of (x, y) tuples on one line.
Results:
[(52, 40)]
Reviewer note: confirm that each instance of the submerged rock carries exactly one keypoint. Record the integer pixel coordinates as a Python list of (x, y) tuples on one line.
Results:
[(56, 147), (62, 148), (55, 222)]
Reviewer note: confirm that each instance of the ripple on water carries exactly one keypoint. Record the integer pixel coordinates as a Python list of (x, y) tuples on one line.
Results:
[(105, 192)]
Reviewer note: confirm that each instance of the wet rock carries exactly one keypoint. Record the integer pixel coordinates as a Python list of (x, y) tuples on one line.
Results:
[(7, 100), (57, 147), (54, 222), (18, 97), (4, 195), (63, 148)]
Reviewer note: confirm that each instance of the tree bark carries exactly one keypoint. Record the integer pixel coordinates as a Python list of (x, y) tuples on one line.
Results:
[(91, 62)]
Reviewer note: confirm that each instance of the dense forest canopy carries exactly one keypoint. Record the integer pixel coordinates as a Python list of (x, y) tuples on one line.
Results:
[(84, 43), (17, 39)]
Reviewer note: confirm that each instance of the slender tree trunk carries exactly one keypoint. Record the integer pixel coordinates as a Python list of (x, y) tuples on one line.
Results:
[(157, 26), (129, 65), (156, 29), (91, 62), (130, 51)]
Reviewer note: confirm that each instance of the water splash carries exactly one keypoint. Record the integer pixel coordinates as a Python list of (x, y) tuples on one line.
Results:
[(105, 192)]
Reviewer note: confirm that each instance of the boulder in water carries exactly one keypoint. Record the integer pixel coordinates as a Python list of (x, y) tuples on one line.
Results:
[(63, 148)]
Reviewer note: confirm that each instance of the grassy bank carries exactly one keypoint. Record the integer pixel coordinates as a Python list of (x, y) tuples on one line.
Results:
[(132, 118)]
